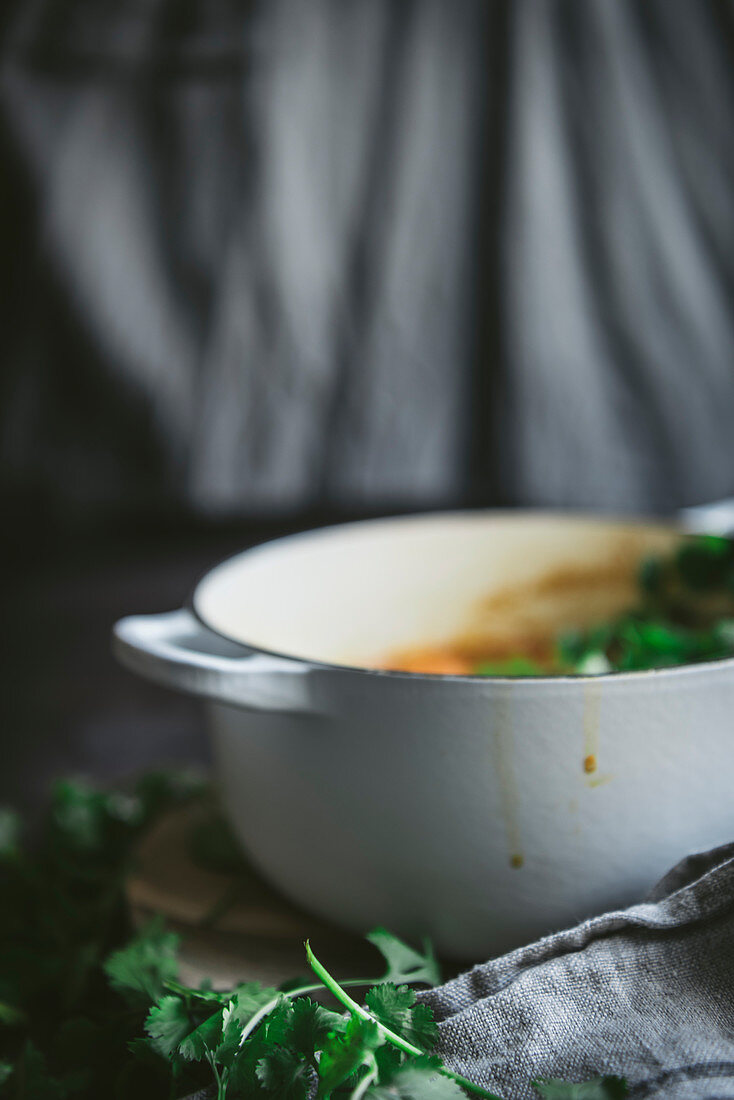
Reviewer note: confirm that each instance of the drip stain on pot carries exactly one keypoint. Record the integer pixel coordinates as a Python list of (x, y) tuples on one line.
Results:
[(502, 746), (592, 702)]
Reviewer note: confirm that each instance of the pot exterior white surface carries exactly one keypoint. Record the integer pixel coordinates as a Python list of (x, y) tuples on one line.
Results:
[(482, 812), (470, 816)]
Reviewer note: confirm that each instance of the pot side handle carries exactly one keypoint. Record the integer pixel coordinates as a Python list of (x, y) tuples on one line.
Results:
[(174, 649)]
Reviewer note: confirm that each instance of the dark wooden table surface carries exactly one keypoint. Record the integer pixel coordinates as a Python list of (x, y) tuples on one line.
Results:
[(68, 707)]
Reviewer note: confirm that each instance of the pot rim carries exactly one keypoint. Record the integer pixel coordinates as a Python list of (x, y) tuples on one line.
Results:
[(664, 673)]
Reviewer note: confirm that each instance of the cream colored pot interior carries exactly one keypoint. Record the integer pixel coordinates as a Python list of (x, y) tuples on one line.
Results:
[(351, 594)]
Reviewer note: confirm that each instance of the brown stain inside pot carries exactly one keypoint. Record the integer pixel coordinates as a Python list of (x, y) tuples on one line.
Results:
[(523, 619)]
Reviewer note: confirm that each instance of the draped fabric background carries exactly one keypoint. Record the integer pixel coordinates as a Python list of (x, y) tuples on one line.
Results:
[(367, 253)]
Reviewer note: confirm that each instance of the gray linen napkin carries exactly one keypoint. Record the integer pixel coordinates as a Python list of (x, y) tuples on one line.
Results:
[(646, 993)]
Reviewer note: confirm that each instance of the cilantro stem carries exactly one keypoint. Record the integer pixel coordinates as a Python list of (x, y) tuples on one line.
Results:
[(221, 1080), (333, 986), (364, 1084), (397, 1040)]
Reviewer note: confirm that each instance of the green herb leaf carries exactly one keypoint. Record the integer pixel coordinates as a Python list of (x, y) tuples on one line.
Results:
[(139, 971), (343, 1054), (168, 1024), (242, 1079), (404, 963), (80, 816), (396, 1008), (284, 1074), (249, 1001), (310, 1025), (417, 1079), (278, 1024), (204, 1039), (512, 666), (704, 561), (250, 997)]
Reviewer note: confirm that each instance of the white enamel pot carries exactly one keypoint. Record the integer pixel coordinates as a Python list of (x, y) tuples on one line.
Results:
[(458, 807)]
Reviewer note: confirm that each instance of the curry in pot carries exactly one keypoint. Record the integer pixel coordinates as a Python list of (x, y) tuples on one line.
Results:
[(683, 613)]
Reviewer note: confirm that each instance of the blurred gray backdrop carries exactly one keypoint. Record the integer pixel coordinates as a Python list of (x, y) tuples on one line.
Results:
[(269, 256)]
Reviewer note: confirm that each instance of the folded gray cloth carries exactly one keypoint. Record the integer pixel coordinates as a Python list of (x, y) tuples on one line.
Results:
[(646, 993)]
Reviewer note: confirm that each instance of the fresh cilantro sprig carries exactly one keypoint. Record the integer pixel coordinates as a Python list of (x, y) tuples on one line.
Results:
[(393, 1012), (86, 1011), (261, 1041)]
